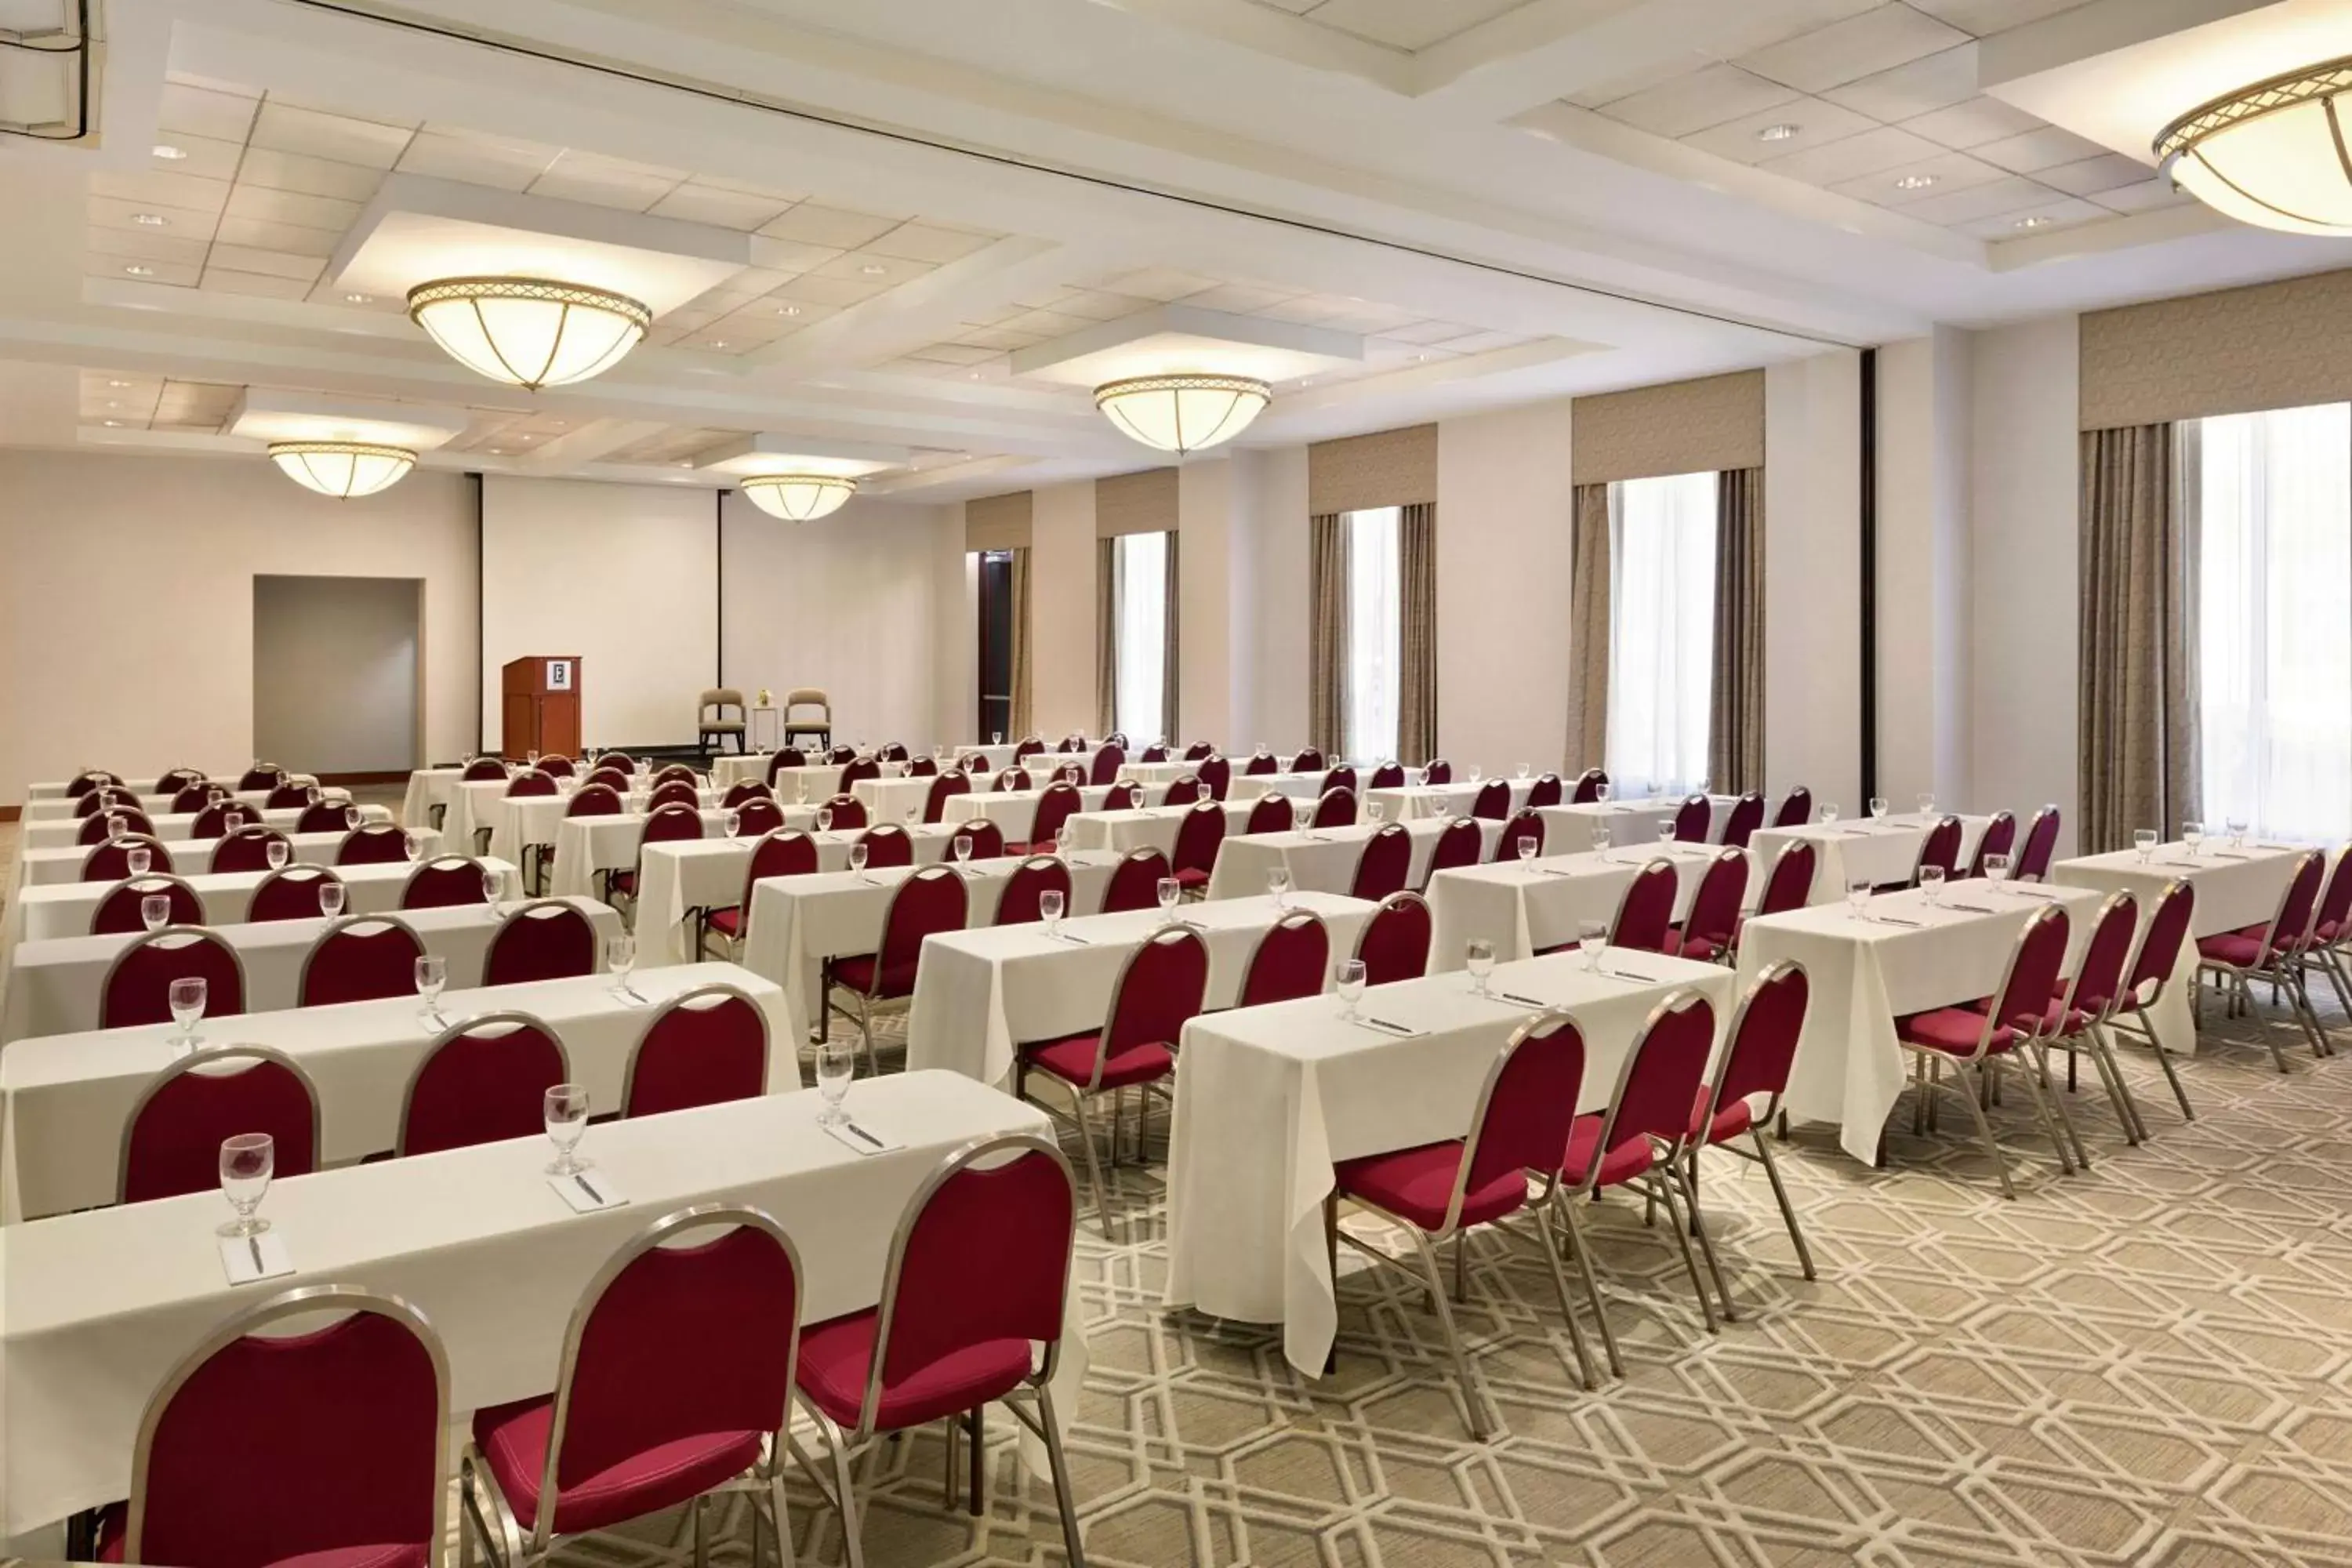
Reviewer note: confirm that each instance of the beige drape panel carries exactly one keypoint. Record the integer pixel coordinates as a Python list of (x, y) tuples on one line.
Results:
[(2238, 350), (997, 523), (1735, 741), (1106, 636), (1588, 633), (1327, 633), (1417, 632), (1170, 687), (2139, 632), (1021, 709), (1683, 428), (1136, 504), (1391, 468)]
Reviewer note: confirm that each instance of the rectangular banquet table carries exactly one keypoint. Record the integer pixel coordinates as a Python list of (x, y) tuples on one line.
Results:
[(1268, 1100), (1324, 859), (194, 857), (980, 994), (1885, 852), (64, 909), (587, 845), (53, 986), (520, 822), (55, 789), (1415, 801), (67, 1098), (1014, 811), (1866, 972), (1524, 907), (1627, 823), (707, 874), (58, 808), (100, 1306), (170, 827), (1144, 827)]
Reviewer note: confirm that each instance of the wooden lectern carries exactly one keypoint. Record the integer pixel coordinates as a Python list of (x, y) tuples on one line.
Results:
[(541, 706)]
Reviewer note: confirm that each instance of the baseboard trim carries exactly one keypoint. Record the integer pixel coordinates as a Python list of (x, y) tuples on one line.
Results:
[(377, 778)]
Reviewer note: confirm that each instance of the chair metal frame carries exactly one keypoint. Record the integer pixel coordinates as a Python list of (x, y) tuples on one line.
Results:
[(1401, 898), (145, 939), (864, 1016), (153, 884), (2281, 965), (465, 1028), (1769, 976), (208, 1056), (443, 862), (2328, 955), (2091, 1038), (2129, 1015), (335, 928), (522, 912), (716, 989)]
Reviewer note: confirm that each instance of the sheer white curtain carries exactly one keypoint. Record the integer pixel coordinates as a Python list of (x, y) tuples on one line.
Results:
[(1375, 659), (1661, 632), (2274, 641), (1141, 563)]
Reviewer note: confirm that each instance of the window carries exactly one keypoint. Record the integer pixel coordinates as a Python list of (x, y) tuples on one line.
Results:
[(2274, 645), (1375, 657), (1140, 614), (1661, 632)]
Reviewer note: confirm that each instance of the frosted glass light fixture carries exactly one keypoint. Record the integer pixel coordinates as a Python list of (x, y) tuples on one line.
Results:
[(2274, 154), (529, 331), (342, 469), (799, 498), (1182, 414)]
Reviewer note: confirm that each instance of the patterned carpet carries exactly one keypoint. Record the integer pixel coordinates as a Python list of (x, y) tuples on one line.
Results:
[(2135, 1365)]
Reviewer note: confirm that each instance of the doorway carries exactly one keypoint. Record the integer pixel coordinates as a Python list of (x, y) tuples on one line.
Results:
[(337, 666), (995, 619)]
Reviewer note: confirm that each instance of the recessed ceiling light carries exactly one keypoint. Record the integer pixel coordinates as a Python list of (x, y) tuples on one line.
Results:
[(1305, 381), (787, 310), (975, 375), (148, 220), (1418, 358), (1781, 132), (168, 153), (136, 271), (1915, 181), (2035, 222), (497, 451), (871, 271), (717, 343), (118, 383), (359, 298), (114, 424)]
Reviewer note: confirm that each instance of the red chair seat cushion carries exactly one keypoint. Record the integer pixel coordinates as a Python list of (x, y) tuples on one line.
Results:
[(1736, 1117), (2328, 930), (1955, 1030), (114, 1525), (1628, 1159), (513, 1441), (1416, 1185), (1192, 877), (858, 973), (625, 882), (729, 920), (2056, 1018), (1701, 947), (1073, 1062), (836, 1357), (2239, 949)]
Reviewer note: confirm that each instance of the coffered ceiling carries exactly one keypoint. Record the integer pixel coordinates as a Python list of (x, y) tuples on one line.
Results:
[(933, 217)]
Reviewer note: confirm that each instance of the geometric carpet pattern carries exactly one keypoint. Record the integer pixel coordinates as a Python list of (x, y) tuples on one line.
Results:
[(2149, 1363)]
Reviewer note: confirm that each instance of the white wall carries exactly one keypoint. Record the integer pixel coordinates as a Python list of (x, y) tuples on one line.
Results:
[(851, 603), (626, 576), (1062, 609), (1924, 404), (2023, 664), (335, 668), (1506, 515), (126, 604), (1216, 530), (1279, 678), (1813, 576), (955, 611)]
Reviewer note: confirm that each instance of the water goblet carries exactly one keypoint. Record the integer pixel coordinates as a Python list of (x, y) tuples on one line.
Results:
[(621, 957), (494, 888), (1593, 941), (564, 1108), (412, 843), (824, 819), (1931, 882), (1351, 985), (2237, 825), (139, 859), (961, 845), (1168, 889), (186, 998), (1049, 907), (2144, 840), (1277, 882), (330, 900), (1877, 808), (246, 1162), (1829, 813), (1927, 802), (1996, 869), (2192, 833), (277, 854), (837, 1064), (1478, 958), (1857, 897), (155, 912), (432, 975), (1529, 846), (857, 857), (734, 825)]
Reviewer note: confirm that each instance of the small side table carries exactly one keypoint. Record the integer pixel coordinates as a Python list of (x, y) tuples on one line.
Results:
[(775, 728)]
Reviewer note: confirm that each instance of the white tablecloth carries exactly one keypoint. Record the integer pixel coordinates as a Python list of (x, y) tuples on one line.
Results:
[(709, 874), (1849, 1070), (194, 857), (1270, 1099), (64, 909), (1887, 852), (1146, 827), (520, 822), (67, 1097), (55, 789), (587, 845), (171, 826), (53, 986), (890, 799), (58, 808), (1414, 802), (978, 994), (798, 922), (101, 1305), (1323, 859), (1014, 811), (1524, 908), (1628, 822)]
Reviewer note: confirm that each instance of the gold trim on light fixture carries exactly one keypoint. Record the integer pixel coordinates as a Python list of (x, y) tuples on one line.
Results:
[(529, 331), (342, 470), (798, 498), (2277, 153), (1182, 414)]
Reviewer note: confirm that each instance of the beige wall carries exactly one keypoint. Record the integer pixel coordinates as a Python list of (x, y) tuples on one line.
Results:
[(126, 605), (1925, 402), (1813, 576), (1062, 610), (335, 666)]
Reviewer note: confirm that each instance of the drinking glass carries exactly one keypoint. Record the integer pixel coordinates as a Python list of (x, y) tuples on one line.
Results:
[(962, 847), (1592, 939), (1525, 770), (2144, 840), (186, 998), (412, 843), (1351, 984), (1600, 837), (620, 957), (1665, 833), (432, 975), (1478, 958), (1478, 773), (1927, 802), (565, 1107), (1065, 838), (1169, 890), (1857, 897), (1277, 882), (1931, 882), (1302, 813), (1877, 807), (1601, 792), (246, 1163), (2237, 825), (837, 1064), (277, 854), (2193, 835), (330, 900), (734, 825), (313, 795), (1829, 813), (996, 737), (494, 888), (857, 857), (351, 817), (1049, 907), (138, 859), (1529, 845), (155, 912), (824, 819), (1996, 868), (1377, 810), (116, 825)]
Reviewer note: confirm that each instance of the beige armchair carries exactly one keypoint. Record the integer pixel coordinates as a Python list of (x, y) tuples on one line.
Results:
[(817, 726), (711, 719)]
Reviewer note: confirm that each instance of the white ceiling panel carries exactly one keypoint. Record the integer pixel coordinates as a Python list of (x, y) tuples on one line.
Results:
[(1972, 124), (477, 160), (1984, 18), (697, 202), (2036, 150), (1878, 40), (1932, 83), (1408, 25), (286, 129), (2091, 175), (1883, 147), (199, 112), (1706, 97), (309, 176), (814, 224), (1813, 122)]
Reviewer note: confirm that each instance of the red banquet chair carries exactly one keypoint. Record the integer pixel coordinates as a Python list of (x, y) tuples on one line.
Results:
[(1437, 770), (295, 797), (840, 755), (1135, 881), (111, 861), (261, 775), (1440, 1192), (1200, 751), (1029, 746), (331, 817), (676, 1381), (857, 769), (1796, 808), (1493, 802), (886, 846), (1940, 848), (2331, 929), (171, 1142), (360, 958), (1155, 752), (1693, 820), (1647, 910), (89, 780), (546, 939), (1746, 816), (1710, 930), (531, 782), (1310, 761), (248, 848), (2273, 951), (923, 768), (1461, 842), (1389, 775), (557, 767), (1009, 781), (2076, 1021), (1031, 880), (785, 757), (1217, 777), (348, 1421), (99, 827), (1055, 807), (1394, 943), (1999, 834), (1386, 864), (1200, 834), (676, 792), (1290, 961), (935, 802), (137, 984), (373, 844), (482, 770), (103, 799), (1124, 795), (1341, 777), (931, 900), (2003, 1026), (1548, 790), (745, 790), (444, 882), (970, 1315), (292, 894), (987, 839), (1526, 827), (676, 773), (1272, 813), (593, 799), (1761, 1048), (1161, 987), (2151, 971), (178, 779), (702, 1048), (194, 798), (755, 818), (1335, 808), (848, 812), (1184, 790), (220, 821), (1261, 762), (119, 912), (613, 779), (2041, 843), (1108, 759), (779, 852), (668, 825), (482, 1080), (1589, 785)]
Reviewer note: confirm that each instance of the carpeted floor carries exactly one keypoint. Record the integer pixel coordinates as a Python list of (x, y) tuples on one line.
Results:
[(2136, 1365)]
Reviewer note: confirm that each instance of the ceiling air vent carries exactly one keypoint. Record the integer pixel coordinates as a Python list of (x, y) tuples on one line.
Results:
[(48, 69)]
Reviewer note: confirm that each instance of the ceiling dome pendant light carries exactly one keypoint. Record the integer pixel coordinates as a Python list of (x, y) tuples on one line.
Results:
[(799, 498), (342, 469), (1182, 414), (2274, 154), (529, 331)]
